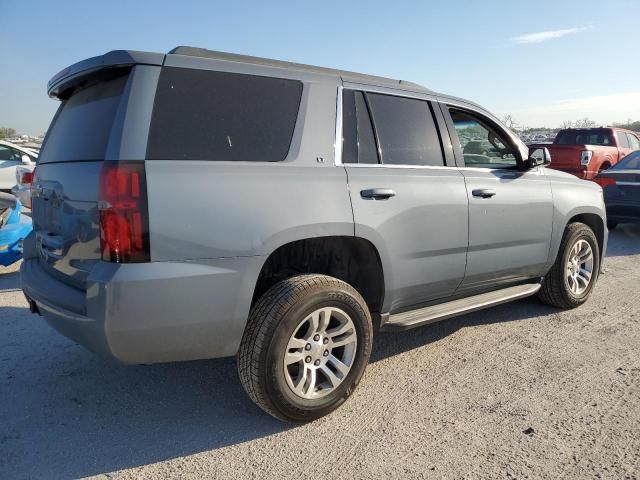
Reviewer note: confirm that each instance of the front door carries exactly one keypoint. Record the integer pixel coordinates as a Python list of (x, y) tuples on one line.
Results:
[(510, 209)]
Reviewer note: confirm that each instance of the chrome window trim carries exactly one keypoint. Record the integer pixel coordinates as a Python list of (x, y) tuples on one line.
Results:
[(338, 143)]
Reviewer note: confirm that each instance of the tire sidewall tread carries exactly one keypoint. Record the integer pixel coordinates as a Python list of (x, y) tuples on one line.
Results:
[(554, 290), (270, 324)]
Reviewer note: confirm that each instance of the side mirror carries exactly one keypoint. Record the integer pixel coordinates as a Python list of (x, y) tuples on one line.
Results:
[(539, 156), (26, 159)]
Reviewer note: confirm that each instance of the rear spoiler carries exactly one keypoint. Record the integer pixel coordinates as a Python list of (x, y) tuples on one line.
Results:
[(73, 75)]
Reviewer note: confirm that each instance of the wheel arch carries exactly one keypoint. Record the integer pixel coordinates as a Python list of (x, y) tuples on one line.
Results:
[(596, 223), (354, 260)]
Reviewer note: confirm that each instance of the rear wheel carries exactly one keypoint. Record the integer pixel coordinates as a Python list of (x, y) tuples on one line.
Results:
[(571, 279), (305, 348)]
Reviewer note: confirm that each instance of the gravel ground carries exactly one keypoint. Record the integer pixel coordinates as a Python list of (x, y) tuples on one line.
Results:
[(521, 390)]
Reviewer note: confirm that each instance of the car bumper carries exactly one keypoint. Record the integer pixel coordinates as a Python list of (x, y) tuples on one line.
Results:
[(149, 313)]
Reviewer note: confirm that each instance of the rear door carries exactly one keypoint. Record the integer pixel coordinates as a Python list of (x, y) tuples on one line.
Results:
[(510, 209), (407, 198), (87, 126)]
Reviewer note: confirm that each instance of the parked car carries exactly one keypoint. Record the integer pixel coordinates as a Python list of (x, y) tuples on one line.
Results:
[(585, 152), (322, 206), (621, 186), (12, 156)]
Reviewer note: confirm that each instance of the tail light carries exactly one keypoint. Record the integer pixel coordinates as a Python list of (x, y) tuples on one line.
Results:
[(585, 157), (124, 218), (26, 177), (605, 181)]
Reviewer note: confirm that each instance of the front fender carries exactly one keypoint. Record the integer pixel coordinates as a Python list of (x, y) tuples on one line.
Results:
[(573, 199)]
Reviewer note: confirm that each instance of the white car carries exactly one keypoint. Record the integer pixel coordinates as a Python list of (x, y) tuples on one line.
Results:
[(12, 156)]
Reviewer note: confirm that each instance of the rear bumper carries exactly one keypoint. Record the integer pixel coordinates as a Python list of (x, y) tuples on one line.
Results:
[(152, 312)]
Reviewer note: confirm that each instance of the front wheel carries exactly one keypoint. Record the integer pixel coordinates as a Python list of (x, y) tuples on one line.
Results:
[(305, 347), (571, 279)]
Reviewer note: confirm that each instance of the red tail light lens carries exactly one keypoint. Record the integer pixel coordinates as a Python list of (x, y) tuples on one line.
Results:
[(605, 181), (122, 202), (26, 178)]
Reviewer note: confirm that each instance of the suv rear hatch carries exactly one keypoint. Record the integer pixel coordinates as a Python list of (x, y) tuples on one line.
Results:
[(90, 126), (65, 193)]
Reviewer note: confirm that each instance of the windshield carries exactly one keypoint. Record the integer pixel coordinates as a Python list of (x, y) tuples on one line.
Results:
[(632, 162)]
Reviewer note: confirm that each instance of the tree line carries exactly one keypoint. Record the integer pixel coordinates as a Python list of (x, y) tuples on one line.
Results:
[(7, 132), (585, 122)]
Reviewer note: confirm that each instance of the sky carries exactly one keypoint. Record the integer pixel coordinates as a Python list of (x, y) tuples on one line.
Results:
[(543, 62)]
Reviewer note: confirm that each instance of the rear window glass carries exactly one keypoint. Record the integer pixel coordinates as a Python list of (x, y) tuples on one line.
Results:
[(584, 137), (207, 115), (406, 130), (81, 128)]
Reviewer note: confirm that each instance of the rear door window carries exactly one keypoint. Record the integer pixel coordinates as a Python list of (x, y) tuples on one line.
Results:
[(82, 126), (406, 130), (221, 116), (634, 144), (358, 140), (622, 140)]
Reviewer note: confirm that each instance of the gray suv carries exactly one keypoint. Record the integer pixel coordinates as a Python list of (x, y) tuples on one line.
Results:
[(199, 204)]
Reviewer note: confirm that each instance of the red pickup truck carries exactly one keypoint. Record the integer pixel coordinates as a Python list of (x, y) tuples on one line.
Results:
[(585, 152)]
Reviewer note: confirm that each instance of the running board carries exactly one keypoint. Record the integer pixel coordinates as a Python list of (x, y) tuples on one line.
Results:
[(442, 311)]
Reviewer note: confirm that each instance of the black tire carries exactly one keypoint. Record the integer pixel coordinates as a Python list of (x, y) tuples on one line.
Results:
[(611, 224), (273, 320), (555, 287)]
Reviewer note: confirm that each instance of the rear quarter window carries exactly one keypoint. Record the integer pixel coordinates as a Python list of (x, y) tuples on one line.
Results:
[(221, 116)]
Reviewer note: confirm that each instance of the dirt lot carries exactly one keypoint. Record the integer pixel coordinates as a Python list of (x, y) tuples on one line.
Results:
[(522, 390)]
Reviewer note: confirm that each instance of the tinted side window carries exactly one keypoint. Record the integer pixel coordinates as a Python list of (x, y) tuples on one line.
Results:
[(358, 141), (634, 144), (406, 130), (483, 146), (206, 115), (622, 140)]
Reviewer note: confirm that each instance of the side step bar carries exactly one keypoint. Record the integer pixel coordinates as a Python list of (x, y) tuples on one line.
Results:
[(442, 311)]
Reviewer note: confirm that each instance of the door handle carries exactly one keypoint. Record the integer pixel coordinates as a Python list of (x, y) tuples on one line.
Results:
[(377, 193), (483, 193)]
